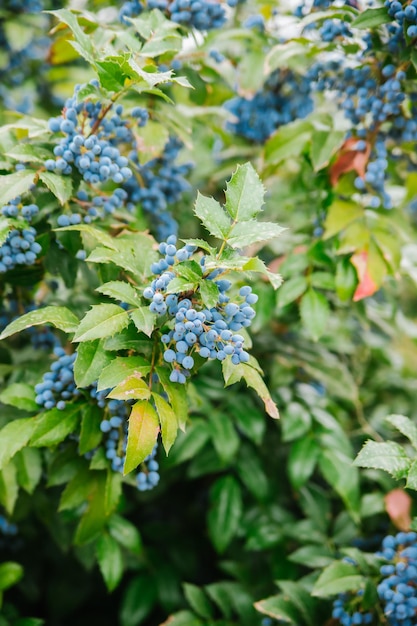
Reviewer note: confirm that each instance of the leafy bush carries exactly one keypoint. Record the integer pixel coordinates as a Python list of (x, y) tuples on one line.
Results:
[(208, 218)]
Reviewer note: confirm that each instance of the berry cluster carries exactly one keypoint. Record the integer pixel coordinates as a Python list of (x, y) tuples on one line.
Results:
[(198, 14), (349, 615), (89, 145), (405, 16), (58, 385), (210, 333), (114, 427), (332, 29), (397, 590), (20, 248), (283, 98)]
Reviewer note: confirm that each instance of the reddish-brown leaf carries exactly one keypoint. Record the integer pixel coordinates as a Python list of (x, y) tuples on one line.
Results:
[(367, 285), (398, 507), (350, 160)]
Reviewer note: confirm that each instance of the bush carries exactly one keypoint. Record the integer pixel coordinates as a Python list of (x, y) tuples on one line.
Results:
[(161, 162)]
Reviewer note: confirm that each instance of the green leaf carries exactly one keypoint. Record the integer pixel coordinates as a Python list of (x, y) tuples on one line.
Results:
[(209, 293), (121, 291), (90, 434), (324, 144), (61, 186), (95, 233), (120, 369), (84, 43), (58, 316), (225, 439), (26, 153), (289, 141), (190, 270), (301, 599), (142, 434), (315, 311), (102, 320), (198, 600), (110, 561), (77, 490), (280, 608), (10, 574), (55, 425), (125, 533), (244, 194), (251, 472), (190, 443), (234, 373), (177, 396), (138, 600), (133, 388), (312, 556), (14, 185), (412, 476), (144, 320), (346, 280), (225, 512), (303, 457), (9, 488), (168, 421), (291, 290), (404, 425), (113, 491), (343, 477), (94, 519), (246, 233), (388, 456), (212, 216), (337, 578), (371, 18), (20, 395), (28, 464), (14, 436), (90, 362), (340, 214)]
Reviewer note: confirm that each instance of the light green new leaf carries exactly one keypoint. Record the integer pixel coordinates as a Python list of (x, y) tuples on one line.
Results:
[(58, 316), (168, 421), (387, 456), (90, 362), (14, 436), (213, 217), (209, 293), (143, 319), (95, 233), (244, 194), (16, 184), (110, 560), (233, 373), (246, 233), (412, 477), (120, 369), (20, 395), (133, 388), (291, 290), (85, 46), (177, 396), (10, 574), (61, 186), (102, 320), (53, 426), (370, 18), (9, 488), (315, 311), (337, 578), (404, 425), (121, 291), (28, 462), (280, 608), (324, 145), (142, 434), (225, 511), (90, 434)]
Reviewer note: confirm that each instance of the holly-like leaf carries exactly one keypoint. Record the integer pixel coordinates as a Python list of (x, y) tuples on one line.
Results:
[(142, 434), (90, 361), (14, 185), (102, 320), (14, 436), (143, 319), (55, 425), (121, 291), (246, 233), (133, 388), (58, 316), (61, 186), (120, 369), (213, 217), (168, 421), (20, 395), (244, 194), (388, 456)]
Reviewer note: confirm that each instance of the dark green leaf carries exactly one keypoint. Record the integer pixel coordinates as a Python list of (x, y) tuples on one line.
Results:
[(315, 311), (337, 578), (388, 456), (370, 18), (225, 512), (102, 320), (90, 362), (198, 600), (14, 436), (55, 425), (110, 561)]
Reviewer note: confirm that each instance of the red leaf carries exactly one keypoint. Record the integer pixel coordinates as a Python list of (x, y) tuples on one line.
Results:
[(398, 507), (367, 285), (349, 160)]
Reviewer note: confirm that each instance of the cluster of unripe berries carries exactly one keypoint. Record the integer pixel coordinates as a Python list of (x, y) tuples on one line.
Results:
[(207, 332), (20, 247)]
